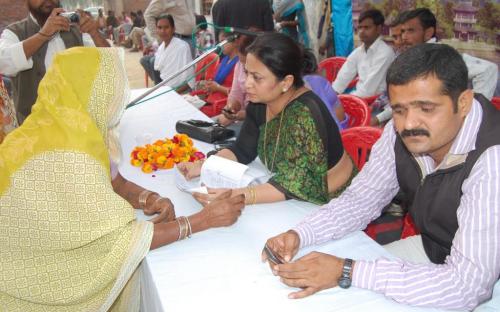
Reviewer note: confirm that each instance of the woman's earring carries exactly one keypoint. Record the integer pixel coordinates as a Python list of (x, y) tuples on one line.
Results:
[(284, 90)]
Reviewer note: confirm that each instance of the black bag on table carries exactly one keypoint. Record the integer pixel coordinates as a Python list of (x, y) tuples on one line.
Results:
[(205, 131)]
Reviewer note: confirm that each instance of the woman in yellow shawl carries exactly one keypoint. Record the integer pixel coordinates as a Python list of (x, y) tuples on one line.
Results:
[(68, 242)]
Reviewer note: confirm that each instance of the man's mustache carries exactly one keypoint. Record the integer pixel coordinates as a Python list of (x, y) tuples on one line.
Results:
[(414, 132)]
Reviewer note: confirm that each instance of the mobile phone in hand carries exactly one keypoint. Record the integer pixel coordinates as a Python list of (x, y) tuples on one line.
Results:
[(271, 256), (228, 111)]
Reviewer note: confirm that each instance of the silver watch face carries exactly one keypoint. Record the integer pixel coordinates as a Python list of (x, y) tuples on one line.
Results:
[(344, 282)]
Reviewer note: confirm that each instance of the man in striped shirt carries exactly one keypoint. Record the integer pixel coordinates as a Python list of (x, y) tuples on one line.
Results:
[(442, 149)]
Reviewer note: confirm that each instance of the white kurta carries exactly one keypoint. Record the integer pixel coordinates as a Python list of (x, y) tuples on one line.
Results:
[(13, 59), (482, 73), (370, 65), (173, 57)]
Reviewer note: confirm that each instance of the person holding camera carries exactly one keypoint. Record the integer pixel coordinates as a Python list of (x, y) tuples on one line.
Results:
[(27, 47)]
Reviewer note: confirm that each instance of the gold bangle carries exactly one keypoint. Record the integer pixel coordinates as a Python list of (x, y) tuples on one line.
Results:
[(247, 194), (186, 228), (253, 195), (189, 227), (183, 228), (143, 198), (180, 229)]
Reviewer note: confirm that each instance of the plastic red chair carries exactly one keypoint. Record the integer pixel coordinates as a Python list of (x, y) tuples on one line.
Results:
[(215, 108), (358, 143), (409, 228), (369, 100), (330, 67), (357, 109), (209, 72), (496, 102)]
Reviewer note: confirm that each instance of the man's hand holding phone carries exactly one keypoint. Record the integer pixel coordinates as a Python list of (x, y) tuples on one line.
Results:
[(281, 249)]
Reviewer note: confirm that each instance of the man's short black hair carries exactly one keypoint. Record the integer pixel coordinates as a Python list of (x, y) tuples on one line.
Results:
[(422, 60), (200, 19), (399, 19), (424, 15), (167, 17), (376, 16)]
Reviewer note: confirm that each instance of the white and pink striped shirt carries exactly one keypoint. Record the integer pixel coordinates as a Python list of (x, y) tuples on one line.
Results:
[(468, 275)]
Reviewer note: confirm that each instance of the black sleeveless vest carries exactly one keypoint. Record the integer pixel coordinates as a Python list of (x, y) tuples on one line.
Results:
[(25, 83), (434, 200)]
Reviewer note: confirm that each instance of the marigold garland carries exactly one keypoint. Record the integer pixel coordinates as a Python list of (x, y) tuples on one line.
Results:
[(164, 154)]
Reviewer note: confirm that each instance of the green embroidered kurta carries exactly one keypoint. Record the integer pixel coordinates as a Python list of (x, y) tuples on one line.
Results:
[(309, 144)]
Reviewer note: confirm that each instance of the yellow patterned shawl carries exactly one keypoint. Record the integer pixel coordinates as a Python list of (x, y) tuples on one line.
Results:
[(67, 241)]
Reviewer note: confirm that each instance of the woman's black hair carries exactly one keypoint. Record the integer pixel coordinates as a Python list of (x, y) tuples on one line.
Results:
[(310, 63), (168, 17), (282, 56), (246, 40)]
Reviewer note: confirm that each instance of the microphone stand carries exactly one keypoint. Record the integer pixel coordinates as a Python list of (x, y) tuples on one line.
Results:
[(217, 47)]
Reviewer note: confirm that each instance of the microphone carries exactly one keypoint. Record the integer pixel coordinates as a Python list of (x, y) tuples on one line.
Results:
[(242, 31)]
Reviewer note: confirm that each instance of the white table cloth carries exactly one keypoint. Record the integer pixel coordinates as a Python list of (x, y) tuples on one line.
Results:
[(220, 269)]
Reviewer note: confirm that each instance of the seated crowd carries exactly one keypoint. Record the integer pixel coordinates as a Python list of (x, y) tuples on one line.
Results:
[(438, 148)]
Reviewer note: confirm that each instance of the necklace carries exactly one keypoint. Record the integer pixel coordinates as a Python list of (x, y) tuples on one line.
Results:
[(278, 136)]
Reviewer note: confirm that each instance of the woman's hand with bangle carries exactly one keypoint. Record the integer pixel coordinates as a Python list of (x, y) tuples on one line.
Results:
[(161, 205), (190, 170)]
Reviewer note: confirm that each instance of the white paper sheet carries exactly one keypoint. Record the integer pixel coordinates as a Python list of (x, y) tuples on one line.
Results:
[(219, 172)]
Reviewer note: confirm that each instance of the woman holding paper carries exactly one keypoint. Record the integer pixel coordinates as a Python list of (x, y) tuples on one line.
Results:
[(287, 127), (74, 242)]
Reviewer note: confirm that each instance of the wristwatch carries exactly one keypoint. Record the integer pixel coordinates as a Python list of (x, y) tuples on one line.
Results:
[(345, 279)]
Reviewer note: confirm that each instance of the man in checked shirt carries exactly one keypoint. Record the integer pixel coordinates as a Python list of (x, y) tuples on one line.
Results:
[(442, 148)]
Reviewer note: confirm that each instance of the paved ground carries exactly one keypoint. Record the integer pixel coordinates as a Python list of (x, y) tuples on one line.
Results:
[(135, 72)]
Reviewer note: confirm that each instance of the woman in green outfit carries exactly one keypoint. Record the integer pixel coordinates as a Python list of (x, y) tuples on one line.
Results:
[(288, 127)]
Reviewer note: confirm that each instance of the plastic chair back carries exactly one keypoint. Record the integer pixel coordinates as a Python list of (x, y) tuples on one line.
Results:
[(330, 67), (357, 109), (358, 143), (210, 71), (496, 102), (369, 100)]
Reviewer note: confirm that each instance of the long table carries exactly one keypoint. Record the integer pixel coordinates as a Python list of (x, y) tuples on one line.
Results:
[(220, 269)]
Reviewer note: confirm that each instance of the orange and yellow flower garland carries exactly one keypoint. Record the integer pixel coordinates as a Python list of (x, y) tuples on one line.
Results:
[(164, 154)]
